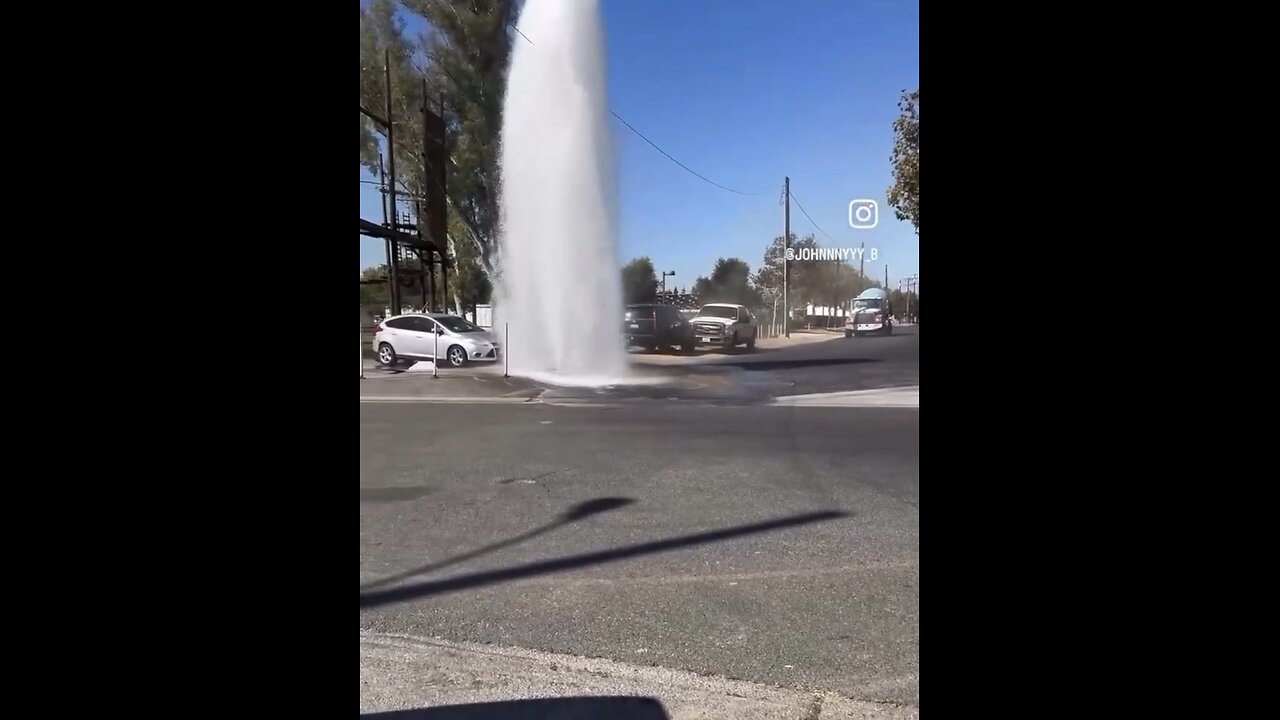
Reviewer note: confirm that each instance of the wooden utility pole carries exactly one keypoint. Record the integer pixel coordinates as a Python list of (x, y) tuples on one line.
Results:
[(786, 244)]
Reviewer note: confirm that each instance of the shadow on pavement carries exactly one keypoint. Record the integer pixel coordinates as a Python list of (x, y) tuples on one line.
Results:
[(573, 514), (570, 708), (491, 577)]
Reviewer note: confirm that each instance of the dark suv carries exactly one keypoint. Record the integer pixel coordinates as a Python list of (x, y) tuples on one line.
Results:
[(657, 326)]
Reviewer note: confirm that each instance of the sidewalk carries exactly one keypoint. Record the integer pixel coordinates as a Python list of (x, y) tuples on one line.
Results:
[(402, 673), (468, 385), (798, 337)]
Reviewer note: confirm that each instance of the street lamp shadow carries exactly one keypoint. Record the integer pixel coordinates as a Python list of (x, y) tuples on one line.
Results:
[(378, 598), (573, 514)]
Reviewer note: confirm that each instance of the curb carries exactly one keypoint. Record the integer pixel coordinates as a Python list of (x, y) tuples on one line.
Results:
[(449, 400)]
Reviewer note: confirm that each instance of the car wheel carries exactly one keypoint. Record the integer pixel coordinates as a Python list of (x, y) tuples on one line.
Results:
[(387, 354), (688, 345), (751, 341), (456, 356), (848, 333)]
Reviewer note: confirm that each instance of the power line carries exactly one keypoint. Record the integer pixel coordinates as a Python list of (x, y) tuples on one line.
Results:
[(666, 154), (806, 214)]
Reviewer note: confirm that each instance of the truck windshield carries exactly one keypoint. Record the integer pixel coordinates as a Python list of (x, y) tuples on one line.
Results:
[(866, 304), (719, 311)]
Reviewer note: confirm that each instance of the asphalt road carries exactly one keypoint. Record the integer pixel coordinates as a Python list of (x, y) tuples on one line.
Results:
[(836, 365), (768, 544)]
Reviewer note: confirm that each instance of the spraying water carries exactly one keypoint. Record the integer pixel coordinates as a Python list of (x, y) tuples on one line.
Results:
[(559, 288)]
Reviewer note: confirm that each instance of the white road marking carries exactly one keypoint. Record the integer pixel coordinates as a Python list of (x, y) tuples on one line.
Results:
[(898, 397)]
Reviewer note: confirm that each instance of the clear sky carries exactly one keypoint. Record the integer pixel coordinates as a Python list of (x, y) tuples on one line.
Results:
[(746, 92)]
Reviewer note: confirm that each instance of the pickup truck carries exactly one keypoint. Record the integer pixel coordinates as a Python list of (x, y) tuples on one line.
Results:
[(725, 325)]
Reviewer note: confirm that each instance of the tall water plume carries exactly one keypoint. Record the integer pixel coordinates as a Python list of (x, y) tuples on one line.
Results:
[(559, 291)]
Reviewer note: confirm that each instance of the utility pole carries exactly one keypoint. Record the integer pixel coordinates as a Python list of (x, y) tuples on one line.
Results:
[(910, 282), (861, 269), (443, 240), (887, 296), (382, 178), (786, 244), (427, 257), (393, 273)]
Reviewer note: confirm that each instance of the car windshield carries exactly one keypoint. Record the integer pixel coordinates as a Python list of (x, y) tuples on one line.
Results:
[(719, 311), (458, 325), (873, 304)]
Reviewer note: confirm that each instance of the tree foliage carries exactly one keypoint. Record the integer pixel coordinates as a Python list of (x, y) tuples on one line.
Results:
[(468, 54), (769, 278), (463, 57), (904, 303), (904, 193), (375, 290), (820, 282), (730, 282), (469, 282), (832, 282), (639, 281)]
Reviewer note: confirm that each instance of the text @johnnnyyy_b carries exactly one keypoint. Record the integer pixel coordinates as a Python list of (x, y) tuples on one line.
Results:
[(847, 253)]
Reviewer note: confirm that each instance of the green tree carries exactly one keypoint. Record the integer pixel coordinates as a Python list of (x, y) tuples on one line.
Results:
[(769, 278), (730, 282), (464, 60), (904, 193), (897, 300), (835, 282), (639, 281), (468, 281), (373, 287)]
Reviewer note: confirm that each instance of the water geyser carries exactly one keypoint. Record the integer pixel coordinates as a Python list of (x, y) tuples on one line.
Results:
[(559, 290)]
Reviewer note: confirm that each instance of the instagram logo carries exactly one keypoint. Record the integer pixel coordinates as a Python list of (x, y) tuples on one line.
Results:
[(863, 214)]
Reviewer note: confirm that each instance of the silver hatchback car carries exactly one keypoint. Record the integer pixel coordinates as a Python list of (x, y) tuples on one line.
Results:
[(420, 337)]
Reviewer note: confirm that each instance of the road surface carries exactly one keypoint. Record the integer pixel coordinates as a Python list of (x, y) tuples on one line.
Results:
[(772, 545)]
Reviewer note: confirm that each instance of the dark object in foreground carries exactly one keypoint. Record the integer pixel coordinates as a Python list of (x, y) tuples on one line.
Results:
[(571, 708)]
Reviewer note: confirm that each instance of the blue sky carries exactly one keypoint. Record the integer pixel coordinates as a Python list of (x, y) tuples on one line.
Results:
[(747, 92)]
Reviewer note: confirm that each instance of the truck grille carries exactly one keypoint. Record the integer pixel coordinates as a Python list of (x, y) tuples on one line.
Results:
[(708, 328)]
